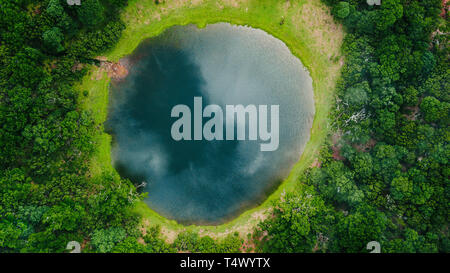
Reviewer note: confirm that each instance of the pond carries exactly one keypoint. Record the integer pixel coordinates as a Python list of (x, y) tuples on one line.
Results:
[(202, 181)]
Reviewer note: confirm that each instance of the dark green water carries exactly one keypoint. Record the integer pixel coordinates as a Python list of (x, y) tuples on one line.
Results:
[(207, 182)]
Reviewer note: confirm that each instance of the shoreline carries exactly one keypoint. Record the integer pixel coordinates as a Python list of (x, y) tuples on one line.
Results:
[(115, 70), (301, 41)]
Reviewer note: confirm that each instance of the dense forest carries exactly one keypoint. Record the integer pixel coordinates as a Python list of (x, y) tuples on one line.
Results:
[(383, 175)]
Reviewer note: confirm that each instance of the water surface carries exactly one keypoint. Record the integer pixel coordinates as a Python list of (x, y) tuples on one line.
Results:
[(207, 182)]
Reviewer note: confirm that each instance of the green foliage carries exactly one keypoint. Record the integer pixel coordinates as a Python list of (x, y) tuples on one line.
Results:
[(390, 12), (342, 10), (187, 241), (362, 164), (410, 96), (389, 182), (402, 188), (47, 196), (230, 244), (154, 244), (104, 240), (300, 223), (91, 13), (434, 110), (52, 39), (336, 183), (354, 231), (192, 242), (54, 9), (357, 95), (387, 179), (413, 243), (60, 18), (438, 84), (129, 245)]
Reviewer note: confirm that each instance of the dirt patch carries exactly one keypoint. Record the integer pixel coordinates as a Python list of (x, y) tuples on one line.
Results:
[(143, 230), (286, 5), (414, 112), (366, 146), (36, 10), (316, 163), (336, 153), (321, 26), (250, 244), (116, 71), (244, 229), (169, 235), (336, 147), (77, 67), (445, 9), (156, 16)]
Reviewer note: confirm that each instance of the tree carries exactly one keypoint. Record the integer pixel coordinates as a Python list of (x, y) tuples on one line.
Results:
[(387, 163), (187, 241), (53, 39), (47, 195), (402, 188), (433, 109), (342, 10), (298, 218), (357, 229), (64, 217), (357, 96), (60, 17), (410, 96), (104, 240), (362, 165), (11, 234), (438, 84), (390, 12), (230, 244), (129, 245), (386, 120), (91, 13), (55, 9), (154, 244)]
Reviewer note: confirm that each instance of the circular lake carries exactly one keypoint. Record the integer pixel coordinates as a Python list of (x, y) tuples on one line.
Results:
[(202, 181)]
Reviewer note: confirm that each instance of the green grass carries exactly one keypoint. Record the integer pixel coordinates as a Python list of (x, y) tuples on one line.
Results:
[(309, 32), (97, 103)]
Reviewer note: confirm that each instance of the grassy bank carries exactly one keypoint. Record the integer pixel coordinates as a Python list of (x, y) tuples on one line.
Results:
[(305, 26)]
